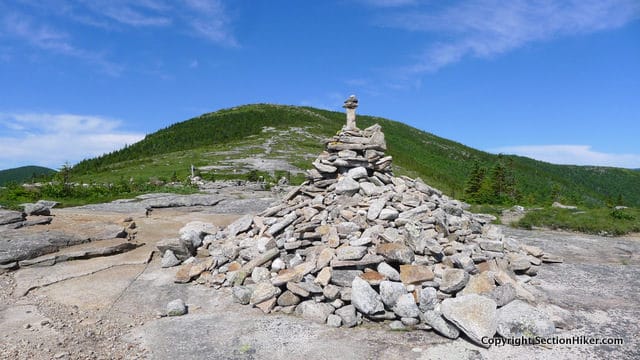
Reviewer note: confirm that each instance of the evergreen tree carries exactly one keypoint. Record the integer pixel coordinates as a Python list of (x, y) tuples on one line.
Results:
[(474, 182), (511, 186), (486, 193), (498, 181), (555, 192), (64, 176)]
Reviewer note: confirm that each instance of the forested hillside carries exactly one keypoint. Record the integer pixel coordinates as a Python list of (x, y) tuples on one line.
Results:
[(294, 133), (23, 174)]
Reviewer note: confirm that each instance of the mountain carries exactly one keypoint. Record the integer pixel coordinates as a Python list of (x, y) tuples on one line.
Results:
[(279, 140), (23, 174)]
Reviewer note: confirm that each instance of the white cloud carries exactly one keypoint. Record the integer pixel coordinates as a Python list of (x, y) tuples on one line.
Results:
[(572, 155), (130, 16), (209, 19), (53, 139), (48, 38), (37, 24), (487, 28), (136, 13)]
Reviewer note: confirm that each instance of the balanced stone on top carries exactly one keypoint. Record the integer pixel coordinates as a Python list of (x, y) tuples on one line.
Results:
[(351, 104)]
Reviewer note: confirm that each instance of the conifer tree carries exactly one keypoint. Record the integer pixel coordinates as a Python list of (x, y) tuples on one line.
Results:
[(498, 180), (474, 182)]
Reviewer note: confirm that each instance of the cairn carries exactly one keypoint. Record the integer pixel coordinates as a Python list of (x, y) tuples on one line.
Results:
[(355, 243)]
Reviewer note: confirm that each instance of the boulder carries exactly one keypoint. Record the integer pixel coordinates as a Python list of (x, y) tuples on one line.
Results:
[(195, 232), (181, 249), (314, 311), (176, 308), (288, 298), (357, 172), (482, 283), (519, 319), (240, 225), (241, 294), (40, 208), (428, 299), (395, 253), (348, 315), (364, 298), (344, 277), (263, 291), (473, 314), (415, 274), (334, 320), (405, 307), (169, 259), (347, 186), (390, 291), (375, 208), (439, 324), (388, 214), (388, 271), (351, 252), (453, 280)]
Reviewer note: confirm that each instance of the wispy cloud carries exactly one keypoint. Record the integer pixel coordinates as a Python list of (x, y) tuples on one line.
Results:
[(487, 28), (209, 19), (38, 24), (389, 3), (129, 15), (48, 38), (52, 139), (572, 155)]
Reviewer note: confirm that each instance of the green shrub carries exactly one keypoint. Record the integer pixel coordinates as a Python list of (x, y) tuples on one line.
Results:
[(620, 214), (593, 221)]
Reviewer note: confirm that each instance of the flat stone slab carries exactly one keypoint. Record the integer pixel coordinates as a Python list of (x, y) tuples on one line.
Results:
[(10, 216), (17, 245), (366, 260), (31, 278), (50, 260)]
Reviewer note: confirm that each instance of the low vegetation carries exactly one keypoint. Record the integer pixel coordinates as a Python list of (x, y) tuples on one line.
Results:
[(495, 210), (603, 221), (73, 195), (61, 188)]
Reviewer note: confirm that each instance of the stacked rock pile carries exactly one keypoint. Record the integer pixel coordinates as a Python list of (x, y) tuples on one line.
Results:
[(354, 243)]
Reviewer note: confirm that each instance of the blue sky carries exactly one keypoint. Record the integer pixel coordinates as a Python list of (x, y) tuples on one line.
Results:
[(555, 80)]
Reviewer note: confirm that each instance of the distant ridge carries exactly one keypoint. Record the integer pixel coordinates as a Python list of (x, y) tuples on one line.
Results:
[(23, 174), (281, 139)]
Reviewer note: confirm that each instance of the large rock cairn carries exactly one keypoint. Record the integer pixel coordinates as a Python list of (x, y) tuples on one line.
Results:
[(354, 244)]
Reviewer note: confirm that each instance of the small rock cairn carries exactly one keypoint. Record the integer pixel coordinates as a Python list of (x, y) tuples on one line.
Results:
[(354, 244)]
